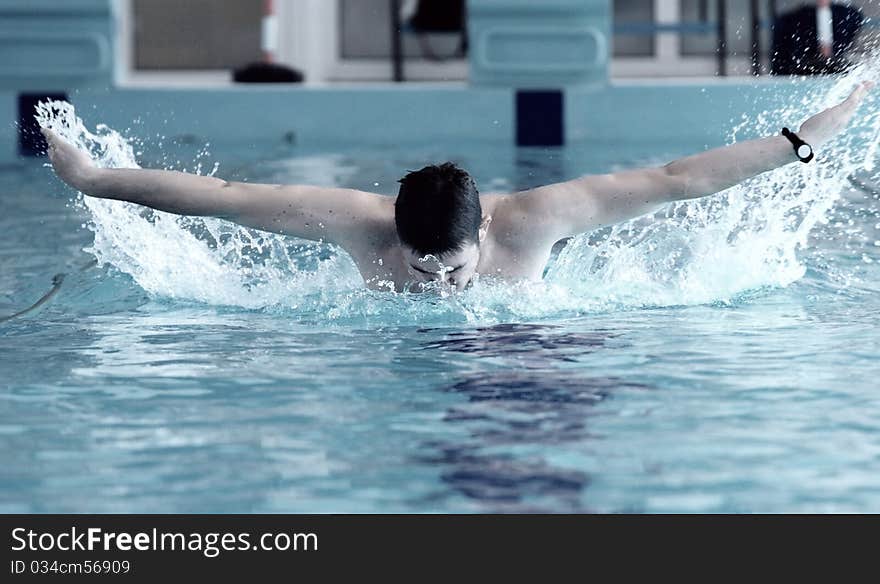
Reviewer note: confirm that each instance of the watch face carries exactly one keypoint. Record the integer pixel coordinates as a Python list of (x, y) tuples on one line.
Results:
[(804, 150)]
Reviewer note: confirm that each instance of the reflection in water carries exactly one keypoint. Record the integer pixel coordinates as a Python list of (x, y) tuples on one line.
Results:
[(531, 401), (540, 166), (501, 482), (522, 340)]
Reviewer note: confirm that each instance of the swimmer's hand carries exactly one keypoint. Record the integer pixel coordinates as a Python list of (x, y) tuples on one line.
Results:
[(71, 164), (827, 124)]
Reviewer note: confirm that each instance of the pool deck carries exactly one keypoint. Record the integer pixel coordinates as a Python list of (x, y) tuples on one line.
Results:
[(698, 111)]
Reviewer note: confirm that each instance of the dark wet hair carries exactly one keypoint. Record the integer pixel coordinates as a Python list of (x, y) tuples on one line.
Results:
[(438, 209)]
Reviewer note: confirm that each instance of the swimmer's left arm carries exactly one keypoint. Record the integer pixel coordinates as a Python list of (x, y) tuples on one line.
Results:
[(561, 210)]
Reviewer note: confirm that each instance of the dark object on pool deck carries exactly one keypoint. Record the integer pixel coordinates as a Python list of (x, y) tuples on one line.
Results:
[(266, 73), (539, 118), (438, 16), (796, 50), (30, 140)]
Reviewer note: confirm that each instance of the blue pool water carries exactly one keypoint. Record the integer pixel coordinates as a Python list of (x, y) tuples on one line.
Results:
[(718, 357)]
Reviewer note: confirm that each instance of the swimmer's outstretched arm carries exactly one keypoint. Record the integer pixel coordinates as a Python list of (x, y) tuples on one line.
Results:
[(329, 214), (565, 209)]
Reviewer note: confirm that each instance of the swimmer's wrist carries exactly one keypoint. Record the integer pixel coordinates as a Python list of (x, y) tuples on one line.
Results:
[(808, 137), (89, 179), (805, 143)]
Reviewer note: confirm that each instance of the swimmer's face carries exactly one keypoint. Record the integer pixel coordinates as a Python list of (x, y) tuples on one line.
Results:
[(454, 269)]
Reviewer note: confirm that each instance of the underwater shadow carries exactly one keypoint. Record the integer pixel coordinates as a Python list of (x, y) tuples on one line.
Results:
[(515, 415)]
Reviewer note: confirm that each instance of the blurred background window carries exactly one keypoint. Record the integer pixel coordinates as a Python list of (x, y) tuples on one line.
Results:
[(633, 12), (738, 26), (196, 34)]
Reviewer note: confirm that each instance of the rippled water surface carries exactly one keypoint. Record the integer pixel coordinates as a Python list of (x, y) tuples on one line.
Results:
[(719, 356)]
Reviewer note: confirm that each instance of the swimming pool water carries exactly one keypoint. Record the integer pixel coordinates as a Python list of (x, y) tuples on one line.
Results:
[(664, 367)]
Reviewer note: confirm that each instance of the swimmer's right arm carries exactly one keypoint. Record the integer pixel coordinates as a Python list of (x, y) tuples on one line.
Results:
[(328, 214)]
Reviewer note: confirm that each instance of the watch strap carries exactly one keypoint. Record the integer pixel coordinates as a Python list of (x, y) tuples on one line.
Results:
[(796, 142)]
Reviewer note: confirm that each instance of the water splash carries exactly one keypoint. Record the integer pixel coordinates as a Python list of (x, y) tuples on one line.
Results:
[(199, 259), (710, 250), (747, 237)]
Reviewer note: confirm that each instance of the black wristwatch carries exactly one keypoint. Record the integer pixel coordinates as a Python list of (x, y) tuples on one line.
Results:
[(803, 150)]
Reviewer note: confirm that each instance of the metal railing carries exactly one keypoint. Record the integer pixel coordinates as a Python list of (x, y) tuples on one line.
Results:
[(704, 26), (396, 42)]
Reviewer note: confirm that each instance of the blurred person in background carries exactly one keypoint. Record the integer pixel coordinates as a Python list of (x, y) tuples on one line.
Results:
[(814, 39)]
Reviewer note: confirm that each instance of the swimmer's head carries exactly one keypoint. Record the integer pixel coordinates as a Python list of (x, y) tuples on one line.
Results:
[(440, 223)]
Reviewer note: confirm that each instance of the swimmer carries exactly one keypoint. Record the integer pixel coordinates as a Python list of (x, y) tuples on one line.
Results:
[(439, 228)]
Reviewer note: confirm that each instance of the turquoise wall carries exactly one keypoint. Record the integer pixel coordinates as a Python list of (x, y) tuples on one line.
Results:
[(50, 46), (539, 44)]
